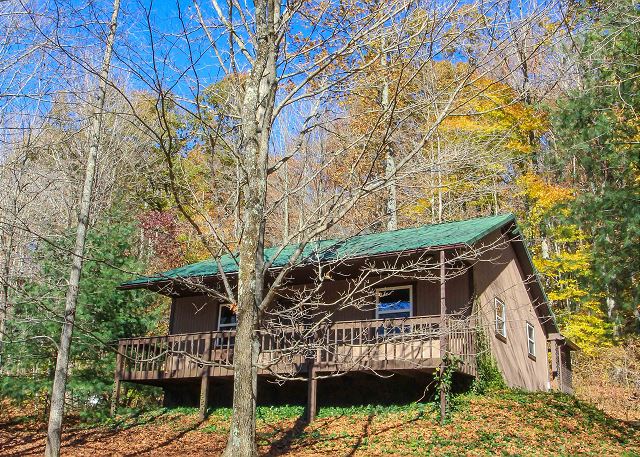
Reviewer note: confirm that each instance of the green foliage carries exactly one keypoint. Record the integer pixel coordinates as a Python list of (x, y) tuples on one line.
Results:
[(597, 130), (274, 413), (372, 410), (444, 381), (489, 377), (103, 316)]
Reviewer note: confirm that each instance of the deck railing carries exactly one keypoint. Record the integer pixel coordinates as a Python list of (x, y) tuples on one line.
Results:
[(380, 344)]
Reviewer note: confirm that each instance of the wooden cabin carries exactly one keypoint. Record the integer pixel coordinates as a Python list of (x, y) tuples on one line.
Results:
[(430, 294)]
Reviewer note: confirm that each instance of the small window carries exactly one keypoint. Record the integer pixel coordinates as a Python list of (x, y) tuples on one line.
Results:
[(531, 340), (394, 302), (501, 318), (227, 318)]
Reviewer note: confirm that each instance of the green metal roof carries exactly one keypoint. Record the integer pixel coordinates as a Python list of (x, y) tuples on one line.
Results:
[(464, 232)]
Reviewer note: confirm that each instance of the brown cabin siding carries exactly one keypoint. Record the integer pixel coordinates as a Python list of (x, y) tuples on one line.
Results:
[(498, 275), (199, 314), (193, 314), (426, 297)]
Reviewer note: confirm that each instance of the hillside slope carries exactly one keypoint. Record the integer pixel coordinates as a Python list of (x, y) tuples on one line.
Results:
[(504, 423)]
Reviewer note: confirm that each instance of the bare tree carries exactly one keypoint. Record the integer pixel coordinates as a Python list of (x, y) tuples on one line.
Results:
[(23, 81), (56, 413), (274, 64)]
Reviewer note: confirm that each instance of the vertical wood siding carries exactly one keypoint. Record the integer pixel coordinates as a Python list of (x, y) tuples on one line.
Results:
[(199, 314), (498, 274), (194, 314)]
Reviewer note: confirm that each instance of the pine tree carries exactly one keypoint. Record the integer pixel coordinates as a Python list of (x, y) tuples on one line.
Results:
[(597, 130)]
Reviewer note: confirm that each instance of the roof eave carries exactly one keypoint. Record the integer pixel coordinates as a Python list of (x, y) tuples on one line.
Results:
[(167, 281), (564, 340)]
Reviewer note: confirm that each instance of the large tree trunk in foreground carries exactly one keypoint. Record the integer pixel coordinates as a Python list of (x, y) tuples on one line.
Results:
[(257, 111), (250, 290), (56, 413)]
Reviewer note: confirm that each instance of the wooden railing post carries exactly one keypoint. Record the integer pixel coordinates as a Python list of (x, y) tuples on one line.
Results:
[(204, 377), (115, 396), (443, 337)]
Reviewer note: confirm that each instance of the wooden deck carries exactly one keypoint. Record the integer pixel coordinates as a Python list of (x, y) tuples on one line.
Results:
[(364, 345)]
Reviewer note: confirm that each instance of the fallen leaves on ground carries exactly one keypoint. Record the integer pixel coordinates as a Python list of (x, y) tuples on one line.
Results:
[(504, 423)]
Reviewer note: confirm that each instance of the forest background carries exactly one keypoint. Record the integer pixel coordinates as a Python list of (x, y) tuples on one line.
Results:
[(546, 126)]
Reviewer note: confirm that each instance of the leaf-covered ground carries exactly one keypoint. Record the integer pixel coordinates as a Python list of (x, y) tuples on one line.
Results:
[(504, 423)]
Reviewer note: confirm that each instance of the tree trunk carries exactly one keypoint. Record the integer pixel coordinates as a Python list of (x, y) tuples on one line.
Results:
[(257, 111), (390, 161), (4, 290), (285, 205), (439, 162), (392, 198), (56, 412), (250, 290)]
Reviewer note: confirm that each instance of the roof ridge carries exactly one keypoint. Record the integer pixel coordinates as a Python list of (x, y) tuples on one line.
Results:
[(429, 225), (468, 231)]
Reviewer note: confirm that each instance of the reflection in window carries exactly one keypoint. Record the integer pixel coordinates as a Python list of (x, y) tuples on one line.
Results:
[(227, 319), (531, 340), (394, 302), (501, 318)]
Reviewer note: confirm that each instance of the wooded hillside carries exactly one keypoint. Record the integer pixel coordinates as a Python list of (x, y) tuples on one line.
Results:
[(138, 137)]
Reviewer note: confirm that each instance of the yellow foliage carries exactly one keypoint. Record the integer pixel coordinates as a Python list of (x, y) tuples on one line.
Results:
[(491, 109), (543, 197), (588, 328)]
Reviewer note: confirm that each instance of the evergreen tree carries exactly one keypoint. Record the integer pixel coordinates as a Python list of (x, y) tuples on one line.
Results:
[(597, 130), (103, 315)]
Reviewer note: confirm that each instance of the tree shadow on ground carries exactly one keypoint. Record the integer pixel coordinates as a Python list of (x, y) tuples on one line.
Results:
[(288, 439), (34, 440), (283, 444)]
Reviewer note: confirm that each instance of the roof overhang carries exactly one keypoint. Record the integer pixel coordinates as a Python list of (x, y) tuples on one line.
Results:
[(561, 339)]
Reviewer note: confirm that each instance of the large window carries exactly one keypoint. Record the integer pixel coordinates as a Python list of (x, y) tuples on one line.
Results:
[(531, 340), (394, 302), (227, 319), (501, 318)]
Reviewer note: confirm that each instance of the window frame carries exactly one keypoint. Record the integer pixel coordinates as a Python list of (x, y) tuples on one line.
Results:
[(531, 339), (398, 287), (225, 327), (500, 318)]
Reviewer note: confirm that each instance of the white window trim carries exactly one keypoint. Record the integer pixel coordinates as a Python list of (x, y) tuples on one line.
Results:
[(382, 289), (503, 318), (224, 327), (531, 340)]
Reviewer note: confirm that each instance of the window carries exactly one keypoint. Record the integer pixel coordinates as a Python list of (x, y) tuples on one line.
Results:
[(531, 340), (394, 302), (501, 318), (227, 319)]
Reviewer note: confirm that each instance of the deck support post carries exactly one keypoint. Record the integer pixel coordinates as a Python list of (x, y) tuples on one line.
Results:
[(115, 395), (553, 381), (443, 338), (560, 364), (204, 396), (204, 379), (312, 392)]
